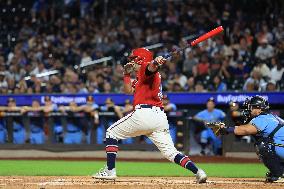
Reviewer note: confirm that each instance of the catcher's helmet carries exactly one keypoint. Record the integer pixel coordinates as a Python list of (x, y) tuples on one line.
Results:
[(143, 53), (258, 102)]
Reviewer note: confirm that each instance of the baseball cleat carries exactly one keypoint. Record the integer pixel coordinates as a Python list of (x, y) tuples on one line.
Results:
[(201, 176), (105, 174), (272, 178)]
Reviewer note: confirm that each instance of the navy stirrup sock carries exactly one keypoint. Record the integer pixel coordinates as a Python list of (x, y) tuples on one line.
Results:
[(185, 162), (111, 150)]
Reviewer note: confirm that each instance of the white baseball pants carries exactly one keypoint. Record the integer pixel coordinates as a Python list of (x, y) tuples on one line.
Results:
[(151, 122)]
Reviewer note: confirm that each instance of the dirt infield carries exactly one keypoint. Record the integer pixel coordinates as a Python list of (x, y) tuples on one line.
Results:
[(74, 182)]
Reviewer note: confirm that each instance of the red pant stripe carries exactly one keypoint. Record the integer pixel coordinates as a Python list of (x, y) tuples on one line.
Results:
[(184, 161), (111, 149)]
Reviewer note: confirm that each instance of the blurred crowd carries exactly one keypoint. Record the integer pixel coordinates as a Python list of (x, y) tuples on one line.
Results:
[(44, 35)]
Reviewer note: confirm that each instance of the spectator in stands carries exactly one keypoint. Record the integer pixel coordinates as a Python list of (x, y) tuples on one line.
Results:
[(254, 82), (203, 66), (169, 86), (22, 86), (190, 62), (277, 70), (100, 82), (189, 87), (32, 82), (271, 86), (199, 87), (279, 31), (180, 79), (211, 114), (263, 69), (92, 89), (15, 72), (215, 66), (85, 7), (241, 71), (3, 84), (265, 50), (243, 49), (39, 8), (177, 87), (40, 69), (218, 85), (107, 88), (81, 88), (264, 35)]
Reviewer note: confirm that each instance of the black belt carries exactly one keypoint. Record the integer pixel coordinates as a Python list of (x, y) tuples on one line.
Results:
[(150, 106)]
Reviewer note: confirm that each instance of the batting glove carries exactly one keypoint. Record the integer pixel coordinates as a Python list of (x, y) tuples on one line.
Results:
[(160, 60), (128, 68)]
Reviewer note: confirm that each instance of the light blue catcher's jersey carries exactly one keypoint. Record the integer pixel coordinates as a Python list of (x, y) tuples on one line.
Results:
[(215, 115), (266, 123)]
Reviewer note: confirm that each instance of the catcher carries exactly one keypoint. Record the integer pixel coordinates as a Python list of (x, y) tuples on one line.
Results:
[(268, 129)]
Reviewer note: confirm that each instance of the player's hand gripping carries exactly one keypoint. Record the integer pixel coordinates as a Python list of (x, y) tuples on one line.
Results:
[(219, 128), (159, 61), (128, 68)]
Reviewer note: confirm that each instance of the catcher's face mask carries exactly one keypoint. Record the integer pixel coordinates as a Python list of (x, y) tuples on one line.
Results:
[(246, 111)]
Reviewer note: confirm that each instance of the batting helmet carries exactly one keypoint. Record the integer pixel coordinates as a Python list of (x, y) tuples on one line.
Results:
[(142, 53), (258, 102)]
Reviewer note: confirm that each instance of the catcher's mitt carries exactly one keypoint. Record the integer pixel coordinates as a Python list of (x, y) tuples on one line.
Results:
[(219, 128), (128, 68)]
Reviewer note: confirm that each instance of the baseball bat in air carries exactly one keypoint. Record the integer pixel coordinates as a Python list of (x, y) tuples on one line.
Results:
[(203, 37)]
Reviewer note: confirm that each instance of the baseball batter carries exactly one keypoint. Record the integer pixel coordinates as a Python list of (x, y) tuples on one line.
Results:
[(148, 117)]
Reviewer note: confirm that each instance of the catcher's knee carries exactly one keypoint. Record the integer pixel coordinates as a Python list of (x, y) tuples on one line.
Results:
[(264, 151), (269, 158)]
